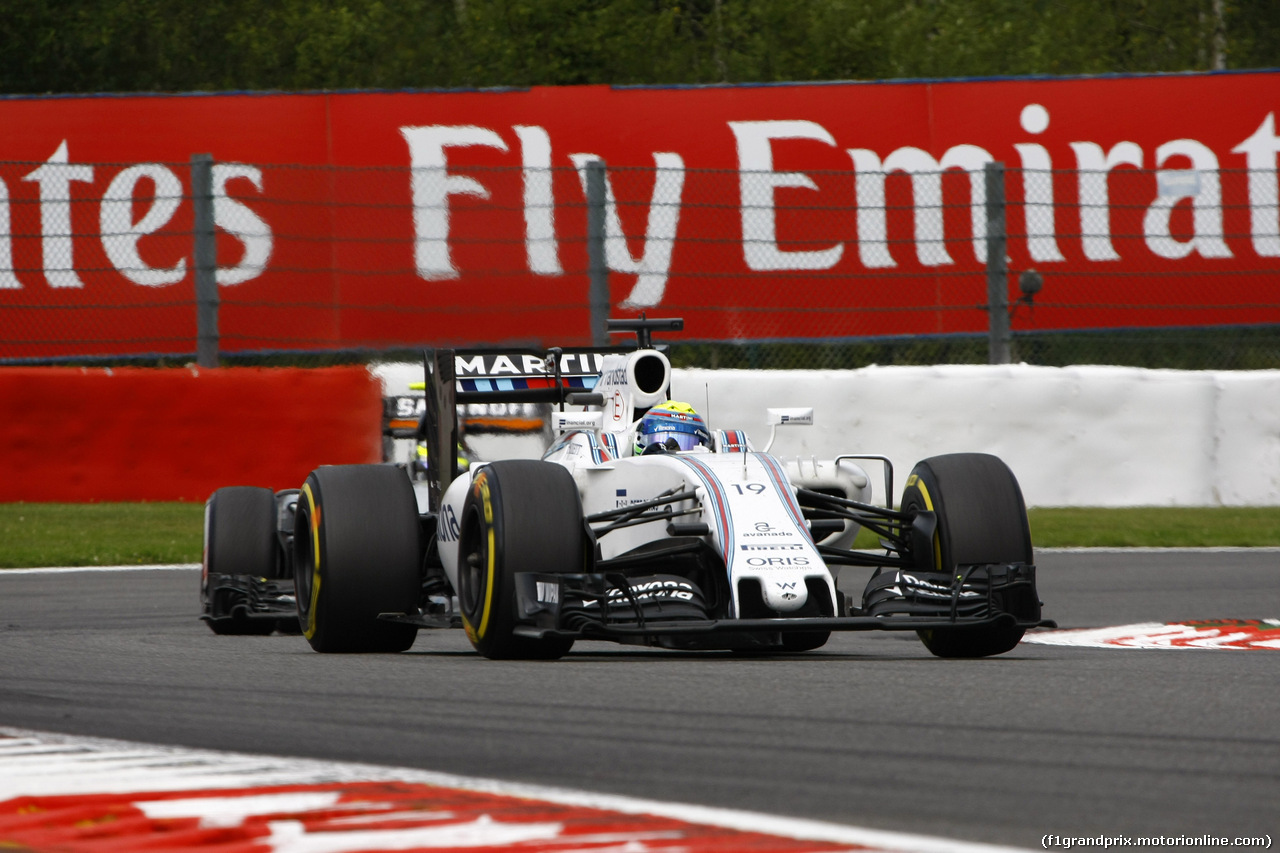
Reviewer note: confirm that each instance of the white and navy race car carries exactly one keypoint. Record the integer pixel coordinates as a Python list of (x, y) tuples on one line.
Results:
[(639, 524)]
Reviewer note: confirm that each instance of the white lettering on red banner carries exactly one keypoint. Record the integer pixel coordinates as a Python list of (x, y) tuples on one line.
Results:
[(755, 212)]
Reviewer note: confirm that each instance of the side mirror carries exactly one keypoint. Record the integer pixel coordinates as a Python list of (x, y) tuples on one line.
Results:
[(786, 417), (563, 422), (793, 417)]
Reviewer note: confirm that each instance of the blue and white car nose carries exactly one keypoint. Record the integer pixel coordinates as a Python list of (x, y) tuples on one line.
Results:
[(784, 595), (749, 504)]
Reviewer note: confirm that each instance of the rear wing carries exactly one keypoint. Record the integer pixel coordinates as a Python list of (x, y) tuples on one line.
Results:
[(488, 378), (519, 376), (491, 374)]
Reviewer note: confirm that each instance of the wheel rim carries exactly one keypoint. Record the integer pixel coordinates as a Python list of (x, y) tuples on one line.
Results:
[(471, 568), (303, 561)]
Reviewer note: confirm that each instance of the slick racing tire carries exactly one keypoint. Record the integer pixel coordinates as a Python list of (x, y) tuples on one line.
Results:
[(520, 515), (240, 539), (981, 519), (356, 555)]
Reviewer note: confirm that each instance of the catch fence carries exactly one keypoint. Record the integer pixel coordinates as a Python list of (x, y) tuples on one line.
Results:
[(906, 260)]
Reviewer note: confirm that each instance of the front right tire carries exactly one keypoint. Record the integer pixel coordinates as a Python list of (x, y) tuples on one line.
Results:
[(981, 519)]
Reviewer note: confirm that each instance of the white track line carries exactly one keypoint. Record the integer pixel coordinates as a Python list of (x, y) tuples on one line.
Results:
[(42, 763), (1225, 636), (52, 570)]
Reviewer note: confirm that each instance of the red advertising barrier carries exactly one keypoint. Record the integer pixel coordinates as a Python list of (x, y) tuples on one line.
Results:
[(781, 211), (177, 434)]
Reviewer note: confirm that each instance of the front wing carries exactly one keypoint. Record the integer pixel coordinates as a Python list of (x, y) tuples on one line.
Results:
[(612, 606), (247, 597)]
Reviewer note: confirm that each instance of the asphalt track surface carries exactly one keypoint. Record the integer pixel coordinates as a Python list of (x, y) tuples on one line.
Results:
[(870, 730)]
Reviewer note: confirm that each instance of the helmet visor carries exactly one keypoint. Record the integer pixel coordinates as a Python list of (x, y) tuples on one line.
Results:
[(683, 440)]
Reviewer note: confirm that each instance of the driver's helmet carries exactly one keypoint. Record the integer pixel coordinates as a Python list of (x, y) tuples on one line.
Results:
[(670, 427)]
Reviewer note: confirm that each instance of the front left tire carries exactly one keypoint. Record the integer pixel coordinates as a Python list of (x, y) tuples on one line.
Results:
[(519, 516)]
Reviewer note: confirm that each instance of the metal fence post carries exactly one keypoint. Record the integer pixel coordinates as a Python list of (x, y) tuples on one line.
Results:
[(999, 335), (597, 268), (206, 261)]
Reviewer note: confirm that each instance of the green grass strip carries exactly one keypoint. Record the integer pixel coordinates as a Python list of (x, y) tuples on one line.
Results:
[(1147, 526), (100, 534), (112, 534), (1157, 527)]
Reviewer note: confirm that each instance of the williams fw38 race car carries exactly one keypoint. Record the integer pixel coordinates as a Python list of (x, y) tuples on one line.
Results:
[(639, 524)]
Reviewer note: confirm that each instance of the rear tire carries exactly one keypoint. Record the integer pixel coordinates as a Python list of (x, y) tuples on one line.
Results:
[(981, 519), (356, 555), (240, 539), (519, 516)]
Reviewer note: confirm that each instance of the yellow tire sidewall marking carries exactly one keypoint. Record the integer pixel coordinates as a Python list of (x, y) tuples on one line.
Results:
[(488, 592), (309, 630), (481, 489), (487, 502), (914, 480)]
